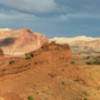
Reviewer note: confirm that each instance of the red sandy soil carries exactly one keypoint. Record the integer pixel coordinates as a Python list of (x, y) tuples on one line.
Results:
[(48, 75)]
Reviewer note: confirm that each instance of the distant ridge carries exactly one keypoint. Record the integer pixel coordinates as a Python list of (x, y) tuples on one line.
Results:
[(81, 45), (63, 40), (5, 29)]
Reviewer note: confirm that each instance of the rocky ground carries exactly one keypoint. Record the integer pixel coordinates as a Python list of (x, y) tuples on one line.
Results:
[(85, 50), (48, 74)]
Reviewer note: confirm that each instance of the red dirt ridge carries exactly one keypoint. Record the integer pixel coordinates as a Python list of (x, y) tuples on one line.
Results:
[(24, 75)]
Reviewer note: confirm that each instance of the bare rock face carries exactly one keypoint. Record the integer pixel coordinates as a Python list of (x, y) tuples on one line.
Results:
[(50, 54), (53, 53), (82, 47), (19, 42)]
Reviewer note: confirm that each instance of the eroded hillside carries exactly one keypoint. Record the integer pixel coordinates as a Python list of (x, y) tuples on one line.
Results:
[(46, 74), (84, 49), (19, 42)]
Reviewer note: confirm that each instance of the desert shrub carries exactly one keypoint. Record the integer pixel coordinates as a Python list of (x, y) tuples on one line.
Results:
[(63, 82), (96, 62), (76, 80), (72, 62), (30, 98), (28, 57), (11, 62), (88, 63), (85, 99)]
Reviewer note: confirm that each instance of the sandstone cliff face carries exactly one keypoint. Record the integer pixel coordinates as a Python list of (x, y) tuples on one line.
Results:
[(19, 42), (81, 46), (47, 75), (79, 41), (53, 53), (45, 65), (91, 44)]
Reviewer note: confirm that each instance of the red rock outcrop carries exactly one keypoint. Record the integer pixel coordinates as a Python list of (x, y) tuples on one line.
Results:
[(44, 65), (53, 53), (19, 42), (47, 75)]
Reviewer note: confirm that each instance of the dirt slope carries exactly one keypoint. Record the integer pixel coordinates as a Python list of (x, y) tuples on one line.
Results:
[(83, 48), (48, 75)]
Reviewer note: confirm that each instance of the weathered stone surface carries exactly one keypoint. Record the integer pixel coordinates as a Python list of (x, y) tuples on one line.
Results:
[(19, 42)]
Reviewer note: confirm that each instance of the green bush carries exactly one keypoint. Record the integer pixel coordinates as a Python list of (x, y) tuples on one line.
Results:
[(85, 99), (30, 98), (28, 57), (96, 62), (11, 62), (73, 62), (89, 63)]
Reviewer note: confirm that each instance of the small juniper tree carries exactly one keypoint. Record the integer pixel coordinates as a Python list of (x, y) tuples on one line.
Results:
[(30, 98)]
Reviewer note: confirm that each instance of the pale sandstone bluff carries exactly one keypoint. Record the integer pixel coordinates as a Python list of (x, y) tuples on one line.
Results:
[(73, 40), (19, 42), (81, 44)]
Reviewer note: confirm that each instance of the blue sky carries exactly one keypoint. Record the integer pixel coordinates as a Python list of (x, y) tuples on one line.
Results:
[(54, 18)]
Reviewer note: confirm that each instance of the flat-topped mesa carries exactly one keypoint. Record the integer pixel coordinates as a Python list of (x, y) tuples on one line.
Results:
[(73, 40), (19, 42)]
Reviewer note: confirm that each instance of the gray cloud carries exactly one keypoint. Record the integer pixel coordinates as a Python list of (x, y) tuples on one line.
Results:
[(51, 16), (14, 15), (81, 16), (33, 6)]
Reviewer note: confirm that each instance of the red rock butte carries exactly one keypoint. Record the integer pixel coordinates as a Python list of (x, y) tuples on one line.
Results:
[(42, 69), (19, 42), (53, 53)]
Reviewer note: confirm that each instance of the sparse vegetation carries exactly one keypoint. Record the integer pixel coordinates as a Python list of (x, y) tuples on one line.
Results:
[(63, 82), (88, 63), (30, 98), (28, 57), (76, 80), (85, 99), (96, 62), (73, 62), (11, 62)]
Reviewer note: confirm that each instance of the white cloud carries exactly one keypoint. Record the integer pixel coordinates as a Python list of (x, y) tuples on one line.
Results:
[(33, 6)]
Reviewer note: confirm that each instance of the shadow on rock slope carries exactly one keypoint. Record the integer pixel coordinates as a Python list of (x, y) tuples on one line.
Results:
[(46, 75)]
